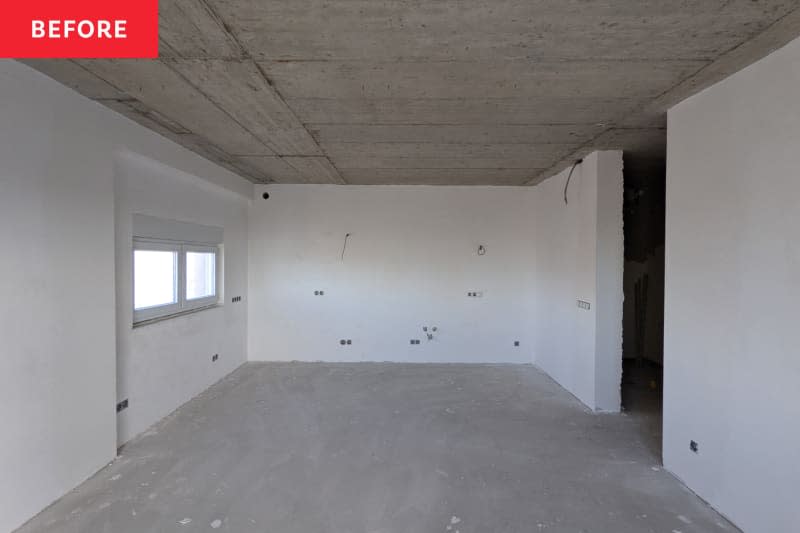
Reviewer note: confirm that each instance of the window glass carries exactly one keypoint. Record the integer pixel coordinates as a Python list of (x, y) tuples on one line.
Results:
[(201, 281), (155, 279)]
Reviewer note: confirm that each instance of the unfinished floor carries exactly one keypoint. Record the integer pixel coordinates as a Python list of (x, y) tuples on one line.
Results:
[(385, 448)]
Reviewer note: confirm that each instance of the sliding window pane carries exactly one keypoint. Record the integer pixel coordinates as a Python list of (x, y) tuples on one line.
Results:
[(155, 278), (201, 275)]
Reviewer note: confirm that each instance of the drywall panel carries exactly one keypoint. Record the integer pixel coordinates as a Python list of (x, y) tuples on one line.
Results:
[(731, 365), (410, 261), (578, 264), (57, 317), (57, 320), (610, 261), (164, 364)]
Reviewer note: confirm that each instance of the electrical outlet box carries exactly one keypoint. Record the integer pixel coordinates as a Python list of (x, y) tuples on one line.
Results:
[(214, 358), (121, 406), (694, 446), (583, 304)]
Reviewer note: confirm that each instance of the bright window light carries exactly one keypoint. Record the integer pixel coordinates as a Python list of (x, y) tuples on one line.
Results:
[(171, 278), (201, 275), (155, 278)]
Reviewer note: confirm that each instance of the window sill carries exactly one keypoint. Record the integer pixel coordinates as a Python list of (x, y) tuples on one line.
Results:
[(179, 314)]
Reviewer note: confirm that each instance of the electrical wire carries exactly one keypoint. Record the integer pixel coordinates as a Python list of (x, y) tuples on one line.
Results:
[(575, 164), (344, 246)]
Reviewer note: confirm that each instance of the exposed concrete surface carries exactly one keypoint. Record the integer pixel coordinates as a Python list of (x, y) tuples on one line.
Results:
[(245, 79), (370, 447)]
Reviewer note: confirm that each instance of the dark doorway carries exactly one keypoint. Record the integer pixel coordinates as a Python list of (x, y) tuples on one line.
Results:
[(643, 311)]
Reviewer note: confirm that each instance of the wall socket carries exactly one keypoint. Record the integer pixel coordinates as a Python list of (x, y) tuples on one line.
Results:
[(516, 343), (475, 294), (583, 304), (414, 341), (319, 293), (236, 299), (344, 342), (214, 358), (121, 406), (694, 446)]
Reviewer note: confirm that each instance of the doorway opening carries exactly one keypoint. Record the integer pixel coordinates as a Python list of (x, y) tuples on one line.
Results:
[(643, 287)]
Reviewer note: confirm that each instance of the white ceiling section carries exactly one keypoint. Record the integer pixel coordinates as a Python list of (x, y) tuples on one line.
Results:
[(450, 92)]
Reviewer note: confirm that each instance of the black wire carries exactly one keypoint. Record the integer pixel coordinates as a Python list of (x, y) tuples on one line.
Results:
[(344, 247), (578, 162)]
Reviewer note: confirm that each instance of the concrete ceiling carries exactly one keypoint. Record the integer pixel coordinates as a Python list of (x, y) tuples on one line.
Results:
[(448, 92)]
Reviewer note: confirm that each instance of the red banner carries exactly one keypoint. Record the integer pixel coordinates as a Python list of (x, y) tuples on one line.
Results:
[(79, 28)]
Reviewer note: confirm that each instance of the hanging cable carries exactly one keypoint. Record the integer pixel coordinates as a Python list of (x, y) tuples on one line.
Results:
[(344, 246), (578, 162)]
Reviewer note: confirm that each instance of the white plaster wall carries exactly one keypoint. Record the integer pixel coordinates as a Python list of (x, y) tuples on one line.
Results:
[(164, 364), (57, 319), (609, 269), (579, 256), (410, 261), (565, 266), (731, 363)]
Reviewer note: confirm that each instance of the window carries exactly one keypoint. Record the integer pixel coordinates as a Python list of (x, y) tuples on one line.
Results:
[(172, 277), (156, 279), (201, 273)]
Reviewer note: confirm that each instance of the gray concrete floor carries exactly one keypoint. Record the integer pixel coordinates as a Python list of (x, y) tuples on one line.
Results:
[(641, 399), (385, 448)]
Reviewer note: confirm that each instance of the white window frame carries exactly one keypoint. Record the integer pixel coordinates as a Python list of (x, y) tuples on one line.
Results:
[(183, 305), (198, 303), (149, 313)]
